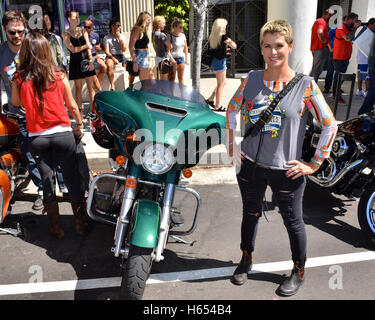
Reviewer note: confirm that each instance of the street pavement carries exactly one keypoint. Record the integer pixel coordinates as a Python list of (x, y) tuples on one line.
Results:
[(84, 268)]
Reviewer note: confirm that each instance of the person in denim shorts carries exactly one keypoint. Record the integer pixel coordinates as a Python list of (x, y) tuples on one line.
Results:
[(219, 42), (179, 50), (138, 47)]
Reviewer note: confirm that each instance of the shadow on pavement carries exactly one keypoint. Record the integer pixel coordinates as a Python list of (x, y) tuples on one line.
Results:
[(322, 209)]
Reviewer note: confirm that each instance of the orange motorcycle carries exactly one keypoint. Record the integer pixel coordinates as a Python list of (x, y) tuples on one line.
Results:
[(12, 165)]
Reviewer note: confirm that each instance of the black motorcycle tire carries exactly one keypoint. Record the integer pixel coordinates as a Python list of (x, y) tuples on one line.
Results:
[(136, 273), (366, 214)]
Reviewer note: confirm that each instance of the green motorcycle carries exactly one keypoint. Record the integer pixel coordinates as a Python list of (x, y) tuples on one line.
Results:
[(155, 132)]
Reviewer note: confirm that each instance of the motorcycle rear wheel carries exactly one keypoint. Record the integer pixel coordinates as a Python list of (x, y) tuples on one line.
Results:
[(136, 273), (366, 213)]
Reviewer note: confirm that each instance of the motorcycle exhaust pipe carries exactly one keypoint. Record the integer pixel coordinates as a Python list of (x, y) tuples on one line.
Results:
[(335, 177)]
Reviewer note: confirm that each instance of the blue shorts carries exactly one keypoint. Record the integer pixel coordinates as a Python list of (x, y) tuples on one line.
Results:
[(142, 58), (180, 60), (218, 65), (119, 57), (363, 72)]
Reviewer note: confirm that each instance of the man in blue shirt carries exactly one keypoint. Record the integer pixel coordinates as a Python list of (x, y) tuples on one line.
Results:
[(369, 101)]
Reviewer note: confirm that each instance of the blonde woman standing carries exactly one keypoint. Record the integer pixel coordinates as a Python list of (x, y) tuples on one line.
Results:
[(161, 44), (138, 46), (219, 42), (180, 51), (273, 155)]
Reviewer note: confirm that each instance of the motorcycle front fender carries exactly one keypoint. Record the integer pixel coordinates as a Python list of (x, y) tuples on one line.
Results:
[(145, 227)]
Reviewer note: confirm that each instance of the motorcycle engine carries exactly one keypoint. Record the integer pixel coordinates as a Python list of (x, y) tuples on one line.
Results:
[(339, 146)]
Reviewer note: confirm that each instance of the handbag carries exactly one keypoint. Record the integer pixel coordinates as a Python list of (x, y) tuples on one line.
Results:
[(129, 68), (85, 63), (207, 57), (165, 66), (266, 115)]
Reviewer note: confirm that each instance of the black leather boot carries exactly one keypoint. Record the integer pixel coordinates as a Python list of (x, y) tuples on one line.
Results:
[(291, 284), (240, 274)]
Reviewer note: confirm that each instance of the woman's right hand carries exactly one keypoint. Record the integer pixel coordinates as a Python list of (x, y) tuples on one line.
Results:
[(77, 130), (234, 152)]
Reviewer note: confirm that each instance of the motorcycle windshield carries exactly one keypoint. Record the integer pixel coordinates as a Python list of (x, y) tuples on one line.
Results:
[(170, 89)]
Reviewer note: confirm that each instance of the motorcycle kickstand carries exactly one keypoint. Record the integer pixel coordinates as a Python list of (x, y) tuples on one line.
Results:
[(191, 243), (13, 233)]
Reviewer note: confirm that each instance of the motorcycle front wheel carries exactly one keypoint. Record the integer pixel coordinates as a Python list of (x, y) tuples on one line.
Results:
[(136, 273), (366, 213)]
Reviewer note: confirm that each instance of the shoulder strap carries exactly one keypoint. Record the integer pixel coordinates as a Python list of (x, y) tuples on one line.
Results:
[(285, 91)]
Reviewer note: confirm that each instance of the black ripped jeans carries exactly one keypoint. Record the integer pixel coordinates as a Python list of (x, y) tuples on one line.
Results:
[(253, 181)]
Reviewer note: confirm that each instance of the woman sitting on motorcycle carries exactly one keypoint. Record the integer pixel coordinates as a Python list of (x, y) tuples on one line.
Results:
[(273, 154), (42, 88)]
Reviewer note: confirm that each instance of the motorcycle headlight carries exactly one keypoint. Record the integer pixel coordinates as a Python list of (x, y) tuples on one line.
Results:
[(157, 158)]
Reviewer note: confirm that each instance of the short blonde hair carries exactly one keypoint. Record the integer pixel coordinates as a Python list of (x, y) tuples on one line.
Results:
[(277, 26)]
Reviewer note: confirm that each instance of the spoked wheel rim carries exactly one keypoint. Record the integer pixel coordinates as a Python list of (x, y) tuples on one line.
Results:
[(370, 212)]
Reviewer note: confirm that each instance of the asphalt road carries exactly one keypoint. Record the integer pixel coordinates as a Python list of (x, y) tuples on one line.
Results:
[(341, 266)]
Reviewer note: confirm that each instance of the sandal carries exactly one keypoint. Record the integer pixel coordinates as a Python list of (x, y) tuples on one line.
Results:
[(221, 109), (210, 103)]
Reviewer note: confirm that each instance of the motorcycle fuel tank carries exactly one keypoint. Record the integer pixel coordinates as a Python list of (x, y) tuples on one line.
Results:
[(9, 131), (361, 128)]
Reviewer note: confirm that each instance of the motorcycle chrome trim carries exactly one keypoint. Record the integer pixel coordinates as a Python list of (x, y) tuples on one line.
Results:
[(341, 148), (157, 184), (162, 108), (335, 178), (123, 252), (90, 197), (165, 221), (123, 219), (195, 220)]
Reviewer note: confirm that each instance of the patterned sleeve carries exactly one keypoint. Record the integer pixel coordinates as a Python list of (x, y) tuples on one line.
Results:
[(235, 105), (314, 102)]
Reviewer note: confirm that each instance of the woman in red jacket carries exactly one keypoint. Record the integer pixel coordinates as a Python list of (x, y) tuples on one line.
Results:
[(42, 88)]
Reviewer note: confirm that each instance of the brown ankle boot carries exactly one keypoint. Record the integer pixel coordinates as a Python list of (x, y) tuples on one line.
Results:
[(52, 209), (240, 274), (291, 284), (79, 211)]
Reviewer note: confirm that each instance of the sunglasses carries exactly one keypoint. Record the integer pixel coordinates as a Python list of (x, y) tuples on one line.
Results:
[(14, 32), (88, 27)]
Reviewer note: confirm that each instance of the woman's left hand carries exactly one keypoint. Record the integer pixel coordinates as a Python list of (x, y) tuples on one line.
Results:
[(91, 66), (300, 168)]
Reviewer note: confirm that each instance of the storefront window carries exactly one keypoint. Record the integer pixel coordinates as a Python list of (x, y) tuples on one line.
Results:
[(99, 11)]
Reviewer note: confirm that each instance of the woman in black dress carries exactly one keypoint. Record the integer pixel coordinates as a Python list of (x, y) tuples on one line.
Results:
[(77, 41)]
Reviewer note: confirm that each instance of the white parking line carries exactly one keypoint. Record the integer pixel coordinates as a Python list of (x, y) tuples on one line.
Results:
[(73, 285)]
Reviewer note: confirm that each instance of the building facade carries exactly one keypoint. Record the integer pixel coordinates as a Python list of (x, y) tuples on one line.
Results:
[(99, 11), (246, 17)]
